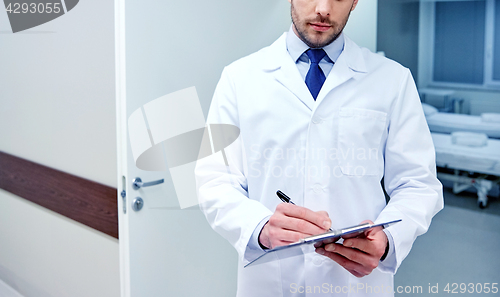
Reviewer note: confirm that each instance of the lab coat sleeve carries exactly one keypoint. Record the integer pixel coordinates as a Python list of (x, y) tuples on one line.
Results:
[(410, 172), (223, 190), (390, 259)]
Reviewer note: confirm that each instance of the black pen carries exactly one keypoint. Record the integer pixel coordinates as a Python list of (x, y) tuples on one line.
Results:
[(284, 197), (287, 199)]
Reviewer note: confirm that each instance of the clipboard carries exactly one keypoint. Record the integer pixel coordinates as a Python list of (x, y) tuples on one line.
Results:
[(295, 249)]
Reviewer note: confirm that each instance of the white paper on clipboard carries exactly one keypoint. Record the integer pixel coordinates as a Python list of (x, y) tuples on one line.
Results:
[(295, 249)]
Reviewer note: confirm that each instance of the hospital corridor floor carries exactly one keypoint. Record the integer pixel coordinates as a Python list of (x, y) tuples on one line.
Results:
[(459, 255)]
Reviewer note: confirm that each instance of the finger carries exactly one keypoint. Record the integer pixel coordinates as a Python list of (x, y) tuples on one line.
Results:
[(371, 230), (367, 245), (371, 233), (326, 241), (295, 224), (295, 211), (320, 250), (318, 244), (323, 213), (366, 261), (372, 243), (331, 240), (301, 226), (363, 233), (355, 268), (279, 243), (279, 235), (361, 244), (356, 274)]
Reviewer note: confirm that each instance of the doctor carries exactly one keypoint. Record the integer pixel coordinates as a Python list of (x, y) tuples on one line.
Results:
[(324, 121)]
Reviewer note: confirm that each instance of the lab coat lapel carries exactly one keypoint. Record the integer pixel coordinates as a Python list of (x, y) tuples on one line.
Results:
[(286, 73), (350, 63)]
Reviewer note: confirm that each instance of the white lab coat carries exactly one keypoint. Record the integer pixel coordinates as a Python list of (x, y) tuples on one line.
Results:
[(329, 154)]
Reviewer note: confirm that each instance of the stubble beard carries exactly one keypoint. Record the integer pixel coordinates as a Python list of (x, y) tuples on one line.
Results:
[(303, 35)]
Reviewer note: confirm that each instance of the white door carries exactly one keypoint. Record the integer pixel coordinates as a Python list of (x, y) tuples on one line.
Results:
[(164, 46)]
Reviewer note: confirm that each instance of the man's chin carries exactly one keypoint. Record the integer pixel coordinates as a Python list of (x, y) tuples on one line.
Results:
[(324, 40), (318, 43), (315, 39)]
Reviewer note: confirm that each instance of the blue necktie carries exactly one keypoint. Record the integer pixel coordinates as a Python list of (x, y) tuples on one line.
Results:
[(315, 76)]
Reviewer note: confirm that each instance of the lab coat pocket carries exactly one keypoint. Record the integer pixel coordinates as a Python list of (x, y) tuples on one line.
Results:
[(359, 138)]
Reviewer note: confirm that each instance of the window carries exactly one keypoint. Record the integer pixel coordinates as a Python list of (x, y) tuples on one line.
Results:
[(463, 43), (496, 46)]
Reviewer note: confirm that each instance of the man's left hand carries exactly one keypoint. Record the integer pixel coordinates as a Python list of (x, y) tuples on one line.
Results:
[(359, 255)]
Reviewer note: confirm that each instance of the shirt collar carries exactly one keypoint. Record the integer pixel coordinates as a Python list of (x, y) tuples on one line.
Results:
[(296, 47)]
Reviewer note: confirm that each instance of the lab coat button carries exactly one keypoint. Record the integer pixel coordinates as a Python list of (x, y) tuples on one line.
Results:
[(317, 120), (317, 260), (317, 189)]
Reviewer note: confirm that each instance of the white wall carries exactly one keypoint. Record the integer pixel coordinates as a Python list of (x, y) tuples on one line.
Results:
[(57, 108), (362, 24)]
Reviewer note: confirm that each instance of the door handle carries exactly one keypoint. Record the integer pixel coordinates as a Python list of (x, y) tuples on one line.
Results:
[(137, 183)]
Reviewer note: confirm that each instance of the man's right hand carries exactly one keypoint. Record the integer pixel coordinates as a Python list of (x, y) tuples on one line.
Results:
[(290, 223)]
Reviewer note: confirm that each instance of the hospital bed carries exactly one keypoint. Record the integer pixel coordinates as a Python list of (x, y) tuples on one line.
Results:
[(443, 122), (480, 156)]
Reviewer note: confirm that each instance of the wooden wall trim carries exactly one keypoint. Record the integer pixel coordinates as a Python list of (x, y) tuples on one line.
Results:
[(82, 200)]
